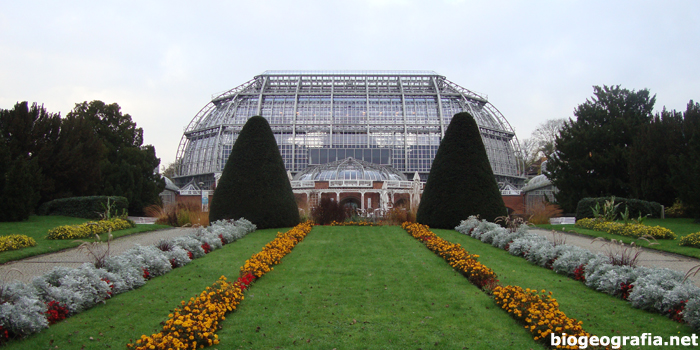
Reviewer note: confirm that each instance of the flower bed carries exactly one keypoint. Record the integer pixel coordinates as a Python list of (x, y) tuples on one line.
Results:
[(13, 242), (194, 324), (28, 308), (539, 312), (89, 229), (629, 230), (659, 290), (691, 240), (352, 223)]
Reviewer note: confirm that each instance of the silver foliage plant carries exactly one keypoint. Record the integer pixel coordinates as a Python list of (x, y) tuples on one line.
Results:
[(23, 306), (653, 289)]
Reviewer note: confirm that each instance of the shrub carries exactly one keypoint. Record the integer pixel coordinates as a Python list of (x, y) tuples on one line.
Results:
[(254, 183), (328, 211), (628, 230), (150, 258), (21, 311), (691, 240), (572, 259), (84, 207), (78, 289), (89, 229), (650, 290), (128, 273), (677, 210), (13, 242), (637, 207), (461, 182)]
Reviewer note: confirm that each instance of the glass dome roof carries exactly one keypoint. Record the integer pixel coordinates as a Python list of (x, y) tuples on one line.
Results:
[(394, 118), (350, 169)]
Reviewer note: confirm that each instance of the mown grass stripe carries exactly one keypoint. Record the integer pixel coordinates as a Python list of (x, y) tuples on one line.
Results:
[(368, 288)]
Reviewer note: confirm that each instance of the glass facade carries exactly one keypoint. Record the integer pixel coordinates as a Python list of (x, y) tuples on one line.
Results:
[(394, 118)]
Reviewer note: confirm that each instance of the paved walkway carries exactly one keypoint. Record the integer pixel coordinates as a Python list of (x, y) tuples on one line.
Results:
[(648, 257), (26, 269)]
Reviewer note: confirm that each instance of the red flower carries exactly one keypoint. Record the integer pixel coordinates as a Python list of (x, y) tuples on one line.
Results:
[(111, 287), (189, 253), (580, 273), (146, 274), (206, 247), (625, 289), (55, 312)]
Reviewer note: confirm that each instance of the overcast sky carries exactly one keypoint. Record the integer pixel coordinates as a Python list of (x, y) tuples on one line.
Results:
[(162, 61)]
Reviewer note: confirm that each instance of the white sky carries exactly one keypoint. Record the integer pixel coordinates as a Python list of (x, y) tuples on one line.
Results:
[(161, 61)]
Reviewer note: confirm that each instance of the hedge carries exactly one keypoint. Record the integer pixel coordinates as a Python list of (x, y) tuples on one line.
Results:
[(585, 206), (83, 207)]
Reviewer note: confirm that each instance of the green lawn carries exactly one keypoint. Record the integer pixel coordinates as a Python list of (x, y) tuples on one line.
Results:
[(349, 288), (38, 227), (601, 314), (681, 227)]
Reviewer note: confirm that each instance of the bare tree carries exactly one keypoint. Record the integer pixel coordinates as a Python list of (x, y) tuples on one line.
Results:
[(529, 150), (545, 134)]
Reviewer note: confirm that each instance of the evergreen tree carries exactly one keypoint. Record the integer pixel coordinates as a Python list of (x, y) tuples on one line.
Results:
[(593, 152), (685, 167), (31, 134), (461, 182), (254, 184), (19, 182), (649, 168), (76, 164), (127, 168)]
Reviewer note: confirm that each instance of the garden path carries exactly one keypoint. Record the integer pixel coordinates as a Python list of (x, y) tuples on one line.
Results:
[(26, 269), (648, 257)]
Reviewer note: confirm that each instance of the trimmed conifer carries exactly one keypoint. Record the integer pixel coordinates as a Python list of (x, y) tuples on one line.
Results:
[(254, 184), (461, 182)]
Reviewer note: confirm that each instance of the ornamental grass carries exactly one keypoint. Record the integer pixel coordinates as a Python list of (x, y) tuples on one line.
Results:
[(89, 229), (14, 242), (539, 312), (628, 230), (194, 324)]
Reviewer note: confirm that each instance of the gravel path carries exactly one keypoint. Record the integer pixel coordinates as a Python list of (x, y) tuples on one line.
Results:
[(648, 257), (26, 269)]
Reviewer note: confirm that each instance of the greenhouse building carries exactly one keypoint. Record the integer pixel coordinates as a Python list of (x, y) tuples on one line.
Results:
[(335, 127)]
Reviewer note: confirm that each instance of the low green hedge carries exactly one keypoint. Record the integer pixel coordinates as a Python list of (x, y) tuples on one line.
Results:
[(629, 230), (83, 207), (637, 207), (89, 229)]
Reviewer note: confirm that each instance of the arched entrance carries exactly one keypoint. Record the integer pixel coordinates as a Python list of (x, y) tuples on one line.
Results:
[(350, 202)]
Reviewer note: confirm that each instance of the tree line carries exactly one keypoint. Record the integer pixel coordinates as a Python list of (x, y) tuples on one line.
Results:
[(617, 146), (94, 150)]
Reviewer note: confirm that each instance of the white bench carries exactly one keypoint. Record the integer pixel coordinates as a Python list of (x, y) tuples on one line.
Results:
[(567, 220)]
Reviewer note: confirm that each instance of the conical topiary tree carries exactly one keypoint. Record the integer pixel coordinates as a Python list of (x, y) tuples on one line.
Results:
[(254, 184), (461, 182)]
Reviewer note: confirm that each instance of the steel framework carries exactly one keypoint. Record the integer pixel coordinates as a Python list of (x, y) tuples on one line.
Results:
[(392, 118)]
